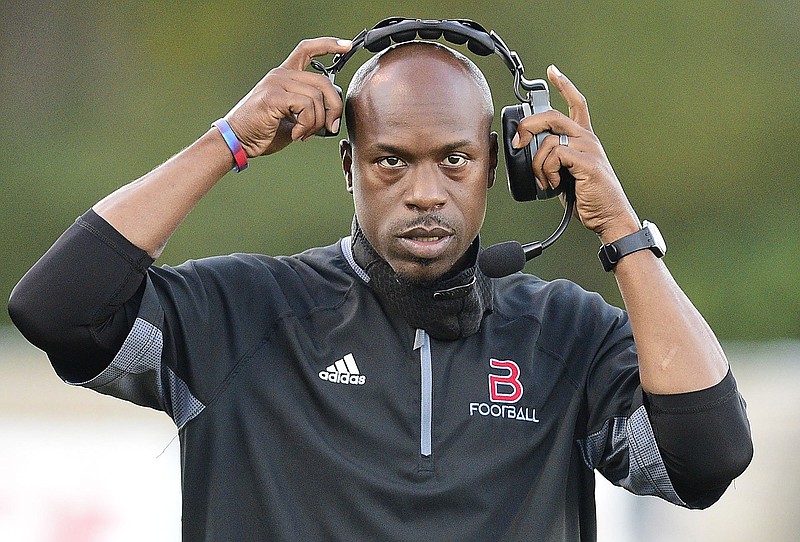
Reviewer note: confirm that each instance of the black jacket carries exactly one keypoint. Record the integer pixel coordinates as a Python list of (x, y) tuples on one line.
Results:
[(308, 411)]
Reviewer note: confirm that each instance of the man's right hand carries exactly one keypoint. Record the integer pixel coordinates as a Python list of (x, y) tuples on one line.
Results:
[(289, 103)]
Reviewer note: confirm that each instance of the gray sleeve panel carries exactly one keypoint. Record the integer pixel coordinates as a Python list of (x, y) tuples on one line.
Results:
[(136, 374), (185, 406), (629, 442)]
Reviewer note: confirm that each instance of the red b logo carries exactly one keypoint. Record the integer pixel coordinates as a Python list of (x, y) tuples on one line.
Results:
[(511, 390)]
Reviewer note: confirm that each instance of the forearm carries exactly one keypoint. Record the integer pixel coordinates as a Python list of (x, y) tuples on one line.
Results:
[(678, 351), (284, 106), (148, 210)]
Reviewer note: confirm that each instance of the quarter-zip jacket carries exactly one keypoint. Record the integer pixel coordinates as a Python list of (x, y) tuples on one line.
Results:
[(307, 411)]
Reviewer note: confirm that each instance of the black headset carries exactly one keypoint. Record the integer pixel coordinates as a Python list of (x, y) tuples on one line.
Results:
[(505, 258)]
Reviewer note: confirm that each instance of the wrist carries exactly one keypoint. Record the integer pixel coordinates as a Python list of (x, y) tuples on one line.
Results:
[(619, 228), (648, 237), (234, 145), (213, 144)]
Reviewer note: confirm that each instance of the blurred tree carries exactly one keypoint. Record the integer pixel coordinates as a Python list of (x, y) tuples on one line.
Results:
[(695, 104)]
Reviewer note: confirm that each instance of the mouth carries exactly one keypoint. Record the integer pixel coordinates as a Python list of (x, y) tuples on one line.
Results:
[(426, 243)]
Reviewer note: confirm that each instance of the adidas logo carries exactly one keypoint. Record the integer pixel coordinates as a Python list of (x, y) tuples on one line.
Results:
[(344, 371)]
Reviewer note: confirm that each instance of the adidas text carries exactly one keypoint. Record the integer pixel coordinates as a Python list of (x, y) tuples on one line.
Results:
[(342, 378)]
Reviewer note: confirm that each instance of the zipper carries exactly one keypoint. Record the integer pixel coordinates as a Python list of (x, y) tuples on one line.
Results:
[(422, 343)]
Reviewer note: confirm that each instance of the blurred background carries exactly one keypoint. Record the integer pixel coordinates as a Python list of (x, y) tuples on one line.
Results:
[(695, 103)]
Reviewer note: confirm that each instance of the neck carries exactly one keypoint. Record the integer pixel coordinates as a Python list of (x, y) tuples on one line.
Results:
[(450, 307)]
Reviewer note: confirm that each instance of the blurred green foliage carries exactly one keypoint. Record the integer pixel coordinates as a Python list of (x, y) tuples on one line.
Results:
[(695, 103)]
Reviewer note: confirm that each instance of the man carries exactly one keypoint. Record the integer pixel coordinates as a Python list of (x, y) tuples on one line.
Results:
[(383, 388)]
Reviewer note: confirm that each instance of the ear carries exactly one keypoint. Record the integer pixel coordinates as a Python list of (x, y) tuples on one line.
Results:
[(346, 152), (492, 159)]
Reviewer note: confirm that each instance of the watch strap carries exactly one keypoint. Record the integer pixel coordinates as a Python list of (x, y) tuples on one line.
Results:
[(611, 253)]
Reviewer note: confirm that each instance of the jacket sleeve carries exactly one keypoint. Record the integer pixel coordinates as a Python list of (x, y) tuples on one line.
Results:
[(685, 448), (79, 301), (704, 439)]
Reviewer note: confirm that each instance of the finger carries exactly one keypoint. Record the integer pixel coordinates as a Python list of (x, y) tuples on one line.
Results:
[(552, 164), (553, 121), (563, 158), (545, 150), (318, 105), (302, 54), (325, 101), (552, 157), (332, 106), (308, 114), (578, 108)]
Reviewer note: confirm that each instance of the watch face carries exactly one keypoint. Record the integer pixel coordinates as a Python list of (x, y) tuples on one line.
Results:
[(658, 239)]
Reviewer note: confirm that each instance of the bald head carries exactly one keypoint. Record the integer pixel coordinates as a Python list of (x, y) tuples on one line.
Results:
[(416, 70)]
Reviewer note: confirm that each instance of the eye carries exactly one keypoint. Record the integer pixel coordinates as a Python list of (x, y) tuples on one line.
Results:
[(391, 162), (455, 160)]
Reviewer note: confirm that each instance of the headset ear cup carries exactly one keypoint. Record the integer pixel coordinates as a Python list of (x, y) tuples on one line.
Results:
[(519, 162), (519, 169)]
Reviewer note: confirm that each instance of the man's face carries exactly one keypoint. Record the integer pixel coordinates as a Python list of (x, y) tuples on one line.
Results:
[(421, 165)]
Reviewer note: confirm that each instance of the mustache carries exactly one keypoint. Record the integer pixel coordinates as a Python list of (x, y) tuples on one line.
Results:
[(426, 220)]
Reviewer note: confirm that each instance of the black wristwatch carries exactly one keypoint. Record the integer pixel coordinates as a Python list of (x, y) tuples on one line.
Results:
[(647, 237)]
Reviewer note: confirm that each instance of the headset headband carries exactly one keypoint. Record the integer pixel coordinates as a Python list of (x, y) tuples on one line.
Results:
[(457, 31)]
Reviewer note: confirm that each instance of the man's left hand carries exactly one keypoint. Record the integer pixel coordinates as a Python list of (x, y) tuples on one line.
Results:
[(601, 203)]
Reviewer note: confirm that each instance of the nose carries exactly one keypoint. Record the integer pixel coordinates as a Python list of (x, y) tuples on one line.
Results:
[(426, 189)]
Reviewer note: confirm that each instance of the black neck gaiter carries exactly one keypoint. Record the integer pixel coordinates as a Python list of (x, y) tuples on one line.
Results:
[(449, 308)]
